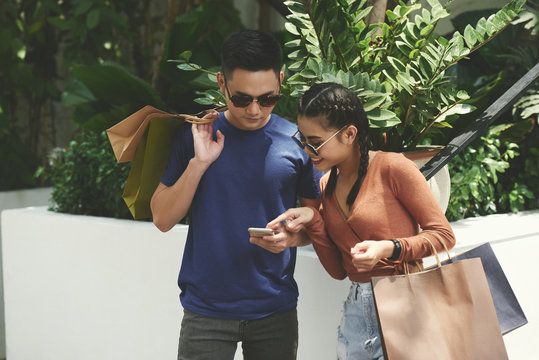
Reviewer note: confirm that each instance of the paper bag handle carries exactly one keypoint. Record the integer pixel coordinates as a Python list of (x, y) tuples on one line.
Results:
[(195, 119)]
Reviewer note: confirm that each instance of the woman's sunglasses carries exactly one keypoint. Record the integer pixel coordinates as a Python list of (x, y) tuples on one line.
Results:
[(245, 100), (312, 149)]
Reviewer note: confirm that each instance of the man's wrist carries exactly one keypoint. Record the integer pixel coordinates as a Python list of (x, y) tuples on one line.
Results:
[(199, 165)]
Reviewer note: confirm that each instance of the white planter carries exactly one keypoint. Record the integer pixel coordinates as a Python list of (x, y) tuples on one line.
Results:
[(81, 287), (13, 200)]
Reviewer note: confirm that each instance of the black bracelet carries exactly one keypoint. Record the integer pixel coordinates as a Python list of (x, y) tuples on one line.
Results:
[(396, 251)]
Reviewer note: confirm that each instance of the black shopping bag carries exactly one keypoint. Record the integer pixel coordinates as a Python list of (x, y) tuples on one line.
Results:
[(508, 310)]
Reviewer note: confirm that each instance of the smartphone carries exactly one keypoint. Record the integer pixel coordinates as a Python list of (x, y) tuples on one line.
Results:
[(259, 232)]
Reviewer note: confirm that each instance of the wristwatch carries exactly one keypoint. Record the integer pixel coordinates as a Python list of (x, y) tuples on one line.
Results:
[(396, 251)]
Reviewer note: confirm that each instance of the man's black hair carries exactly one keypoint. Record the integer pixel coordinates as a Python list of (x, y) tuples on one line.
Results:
[(251, 50)]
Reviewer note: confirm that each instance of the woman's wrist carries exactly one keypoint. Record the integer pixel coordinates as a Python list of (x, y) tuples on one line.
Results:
[(396, 252)]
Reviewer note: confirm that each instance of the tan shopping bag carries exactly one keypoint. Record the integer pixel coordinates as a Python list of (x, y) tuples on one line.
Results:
[(145, 137), (445, 313)]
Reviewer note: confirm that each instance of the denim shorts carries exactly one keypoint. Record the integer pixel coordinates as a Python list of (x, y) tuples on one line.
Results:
[(358, 335)]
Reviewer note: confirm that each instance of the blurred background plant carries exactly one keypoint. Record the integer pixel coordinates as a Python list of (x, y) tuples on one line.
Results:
[(96, 62)]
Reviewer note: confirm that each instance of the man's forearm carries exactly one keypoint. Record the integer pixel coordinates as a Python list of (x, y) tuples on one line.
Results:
[(170, 204)]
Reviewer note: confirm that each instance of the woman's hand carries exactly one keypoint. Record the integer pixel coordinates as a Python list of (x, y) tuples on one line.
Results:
[(294, 219), (207, 150), (366, 254)]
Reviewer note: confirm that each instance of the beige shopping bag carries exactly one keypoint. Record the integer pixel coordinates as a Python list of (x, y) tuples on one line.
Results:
[(445, 313)]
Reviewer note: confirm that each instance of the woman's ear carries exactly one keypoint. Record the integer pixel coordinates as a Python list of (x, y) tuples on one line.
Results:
[(349, 135)]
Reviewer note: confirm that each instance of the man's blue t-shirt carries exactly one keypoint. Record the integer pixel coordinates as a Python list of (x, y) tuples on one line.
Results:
[(256, 177)]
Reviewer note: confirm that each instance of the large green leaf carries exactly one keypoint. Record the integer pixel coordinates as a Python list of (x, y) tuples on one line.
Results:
[(76, 93), (115, 85)]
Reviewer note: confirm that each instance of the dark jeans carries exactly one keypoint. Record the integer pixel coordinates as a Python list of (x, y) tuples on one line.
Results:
[(272, 337)]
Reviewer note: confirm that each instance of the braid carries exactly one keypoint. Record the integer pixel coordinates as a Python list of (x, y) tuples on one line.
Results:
[(362, 171)]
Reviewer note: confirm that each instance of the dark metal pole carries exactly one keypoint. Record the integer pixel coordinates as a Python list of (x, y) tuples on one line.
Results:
[(482, 123)]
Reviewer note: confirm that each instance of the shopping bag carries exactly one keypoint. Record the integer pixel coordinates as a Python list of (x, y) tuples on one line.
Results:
[(445, 313), (148, 166), (145, 137), (508, 310), (125, 136)]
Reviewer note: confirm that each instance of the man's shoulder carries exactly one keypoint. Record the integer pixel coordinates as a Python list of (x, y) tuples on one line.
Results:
[(283, 124)]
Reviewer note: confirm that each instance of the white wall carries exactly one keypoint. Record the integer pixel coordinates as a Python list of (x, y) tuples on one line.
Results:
[(80, 287), (12, 200)]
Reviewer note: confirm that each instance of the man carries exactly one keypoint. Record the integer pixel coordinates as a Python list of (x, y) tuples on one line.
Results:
[(241, 171)]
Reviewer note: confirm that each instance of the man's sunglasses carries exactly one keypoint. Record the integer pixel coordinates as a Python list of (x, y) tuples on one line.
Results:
[(312, 149), (245, 100)]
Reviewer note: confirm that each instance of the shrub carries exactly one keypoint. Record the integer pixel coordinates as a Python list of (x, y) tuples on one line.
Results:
[(477, 178), (86, 178)]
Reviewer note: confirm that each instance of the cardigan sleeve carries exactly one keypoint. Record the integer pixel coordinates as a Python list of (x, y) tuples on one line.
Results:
[(413, 191), (328, 253)]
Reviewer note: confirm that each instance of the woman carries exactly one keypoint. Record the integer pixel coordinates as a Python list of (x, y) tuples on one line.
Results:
[(373, 206)]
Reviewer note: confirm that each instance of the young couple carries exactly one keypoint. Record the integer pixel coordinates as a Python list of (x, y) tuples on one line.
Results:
[(247, 169)]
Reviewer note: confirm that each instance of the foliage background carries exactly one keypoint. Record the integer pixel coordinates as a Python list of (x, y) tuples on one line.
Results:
[(96, 62)]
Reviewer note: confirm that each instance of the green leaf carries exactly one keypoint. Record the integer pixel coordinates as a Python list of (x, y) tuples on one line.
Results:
[(382, 115), (391, 16), (185, 55), (403, 47), (374, 101), (83, 7), (204, 101), (426, 30), (405, 82), (397, 64), (189, 67), (414, 54), (458, 109), (76, 93), (463, 95), (363, 14), (442, 124), (291, 28), (469, 36), (426, 68), (293, 43), (92, 20), (112, 82)]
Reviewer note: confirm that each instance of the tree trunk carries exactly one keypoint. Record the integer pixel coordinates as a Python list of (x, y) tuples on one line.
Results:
[(378, 12), (174, 7)]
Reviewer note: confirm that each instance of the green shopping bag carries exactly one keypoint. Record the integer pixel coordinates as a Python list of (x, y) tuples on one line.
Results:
[(148, 166), (145, 137)]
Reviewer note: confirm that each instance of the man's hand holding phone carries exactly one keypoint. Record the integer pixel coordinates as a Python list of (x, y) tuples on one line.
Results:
[(259, 232), (273, 239)]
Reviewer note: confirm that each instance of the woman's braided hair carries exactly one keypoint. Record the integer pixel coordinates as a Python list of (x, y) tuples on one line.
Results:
[(341, 107)]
